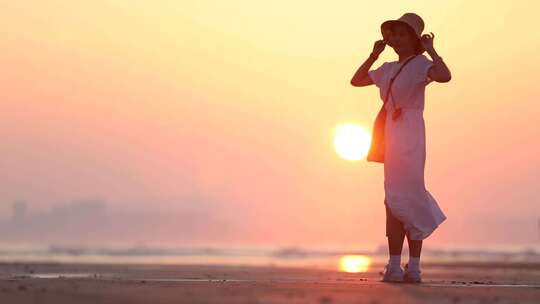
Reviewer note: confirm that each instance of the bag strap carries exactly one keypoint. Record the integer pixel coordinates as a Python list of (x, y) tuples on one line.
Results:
[(393, 78)]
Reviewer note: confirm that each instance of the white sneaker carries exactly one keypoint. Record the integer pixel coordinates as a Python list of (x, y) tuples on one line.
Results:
[(392, 275), (412, 276)]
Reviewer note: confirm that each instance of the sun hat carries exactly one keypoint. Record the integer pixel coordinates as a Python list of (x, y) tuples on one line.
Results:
[(412, 20)]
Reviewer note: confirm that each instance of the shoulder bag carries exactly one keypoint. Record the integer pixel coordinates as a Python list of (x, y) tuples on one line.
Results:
[(376, 149)]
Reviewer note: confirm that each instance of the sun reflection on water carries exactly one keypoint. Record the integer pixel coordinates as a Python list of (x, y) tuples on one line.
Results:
[(354, 263)]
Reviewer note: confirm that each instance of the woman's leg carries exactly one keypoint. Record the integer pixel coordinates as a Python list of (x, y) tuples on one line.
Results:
[(415, 247), (395, 231), (413, 266)]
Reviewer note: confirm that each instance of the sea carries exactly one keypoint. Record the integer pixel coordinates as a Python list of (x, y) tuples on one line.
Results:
[(354, 259)]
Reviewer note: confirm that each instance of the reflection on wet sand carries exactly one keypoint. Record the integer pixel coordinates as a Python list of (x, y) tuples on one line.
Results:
[(354, 263)]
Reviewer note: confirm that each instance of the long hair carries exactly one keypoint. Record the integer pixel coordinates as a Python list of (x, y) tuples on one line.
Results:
[(418, 49)]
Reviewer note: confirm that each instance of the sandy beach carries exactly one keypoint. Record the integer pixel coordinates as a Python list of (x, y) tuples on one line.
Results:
[(105, 283)]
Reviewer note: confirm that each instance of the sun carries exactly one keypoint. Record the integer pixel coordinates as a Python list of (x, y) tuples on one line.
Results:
[(352, 141)]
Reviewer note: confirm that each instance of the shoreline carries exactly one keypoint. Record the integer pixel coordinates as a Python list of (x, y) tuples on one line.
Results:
[(190, 283)]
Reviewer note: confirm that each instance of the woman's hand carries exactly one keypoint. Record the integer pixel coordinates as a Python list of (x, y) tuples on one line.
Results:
[(378, 47), (438, 71), (427, 41)]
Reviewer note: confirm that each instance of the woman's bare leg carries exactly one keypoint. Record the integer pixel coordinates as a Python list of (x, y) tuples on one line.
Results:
[(395, 233), (395, 242), (413, 266), (415, 247)]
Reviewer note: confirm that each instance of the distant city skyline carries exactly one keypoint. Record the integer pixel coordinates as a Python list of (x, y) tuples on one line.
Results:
[(93, 221)]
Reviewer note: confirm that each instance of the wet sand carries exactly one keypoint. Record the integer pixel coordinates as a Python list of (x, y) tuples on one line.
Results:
[(86, 283)]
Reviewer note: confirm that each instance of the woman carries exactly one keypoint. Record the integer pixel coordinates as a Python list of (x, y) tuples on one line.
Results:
[(410, 209)]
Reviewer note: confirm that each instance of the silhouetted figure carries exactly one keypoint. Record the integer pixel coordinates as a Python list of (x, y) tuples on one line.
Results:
[(411, 210)]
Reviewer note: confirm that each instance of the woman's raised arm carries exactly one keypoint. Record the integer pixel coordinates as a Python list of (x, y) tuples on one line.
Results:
[(438, 71), (361, 77)]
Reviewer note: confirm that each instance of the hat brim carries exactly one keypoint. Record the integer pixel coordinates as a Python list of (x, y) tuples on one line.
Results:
[(387, 26)]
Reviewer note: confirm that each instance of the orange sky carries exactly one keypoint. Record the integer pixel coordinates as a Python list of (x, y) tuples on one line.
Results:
[(237, 101)]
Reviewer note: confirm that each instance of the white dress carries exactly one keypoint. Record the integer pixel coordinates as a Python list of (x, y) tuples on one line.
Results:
[(405, 147)]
